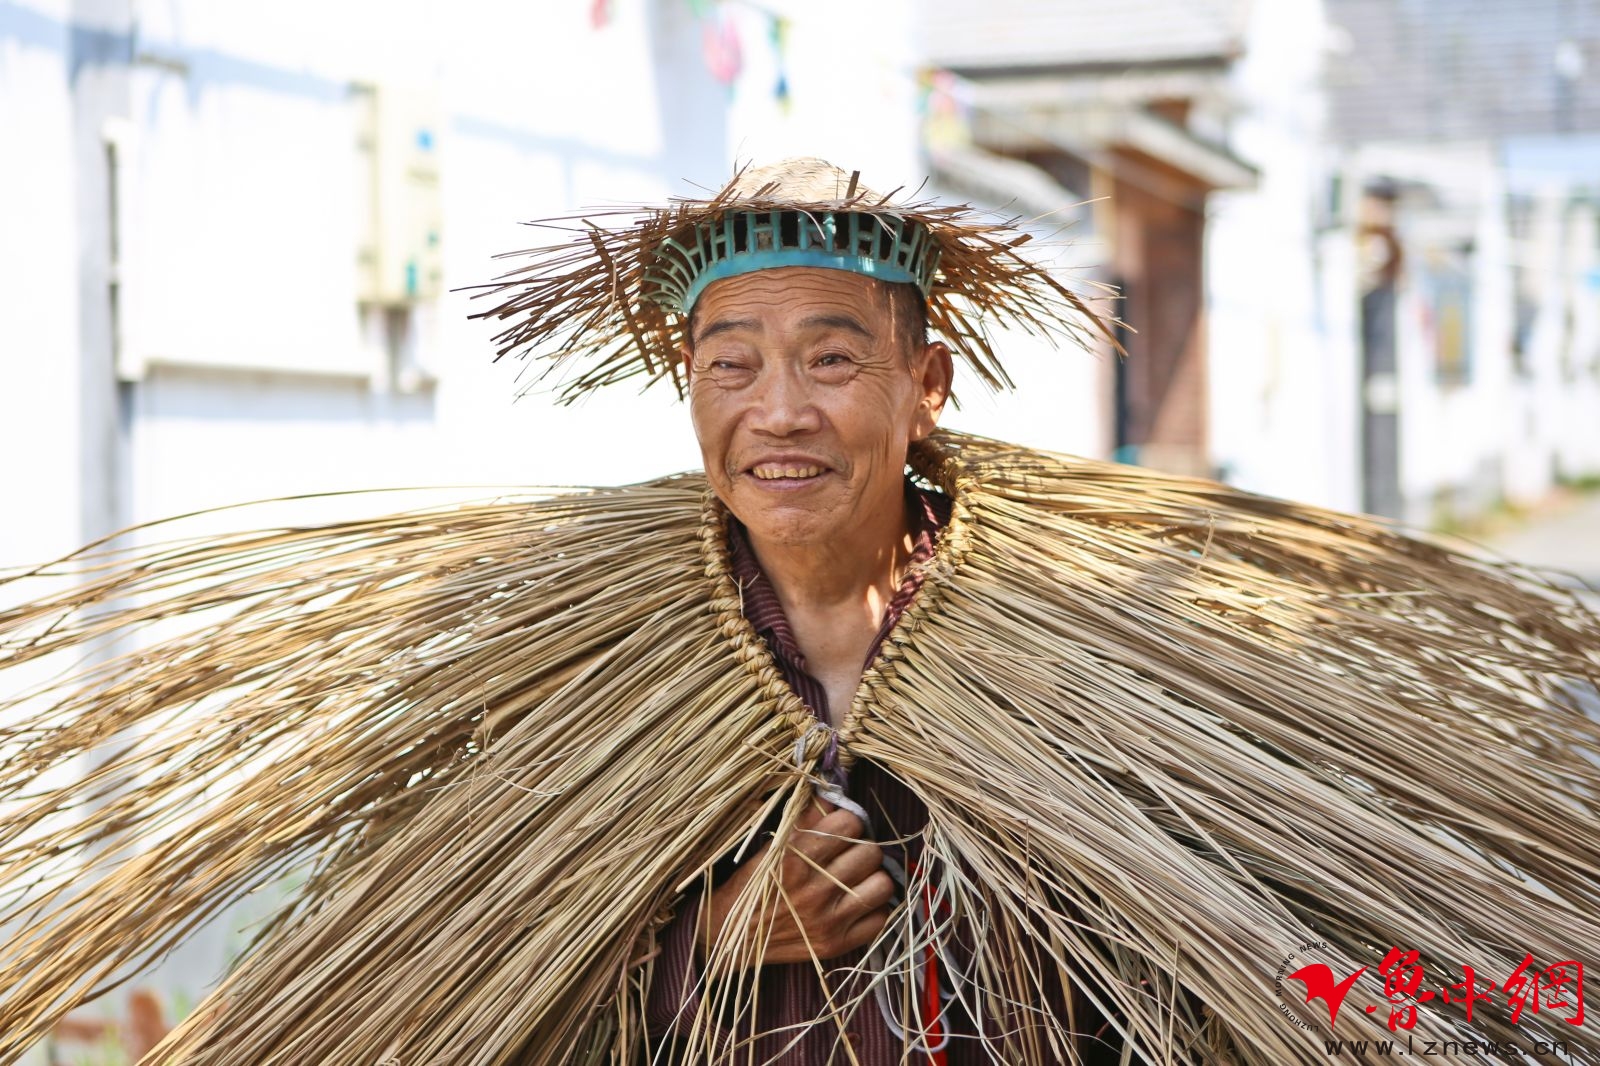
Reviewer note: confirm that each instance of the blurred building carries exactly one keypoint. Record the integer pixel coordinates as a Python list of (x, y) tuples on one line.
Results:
[(1466, 141), (1123, 105), (1356, 238)]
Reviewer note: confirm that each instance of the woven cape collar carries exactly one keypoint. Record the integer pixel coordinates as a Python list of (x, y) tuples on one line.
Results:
[(587, 308)]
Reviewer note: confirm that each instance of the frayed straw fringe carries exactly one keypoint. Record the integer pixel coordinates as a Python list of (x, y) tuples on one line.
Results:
[(1166, 731)]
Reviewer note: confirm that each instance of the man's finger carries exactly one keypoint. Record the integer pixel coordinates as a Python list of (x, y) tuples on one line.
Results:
[(856, 863), (864, 929), (842, 823), (814, 812), (835, 833), (875, 893)]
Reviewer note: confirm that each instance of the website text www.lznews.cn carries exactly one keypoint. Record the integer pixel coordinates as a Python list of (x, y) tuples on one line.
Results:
[(1463, 1048)]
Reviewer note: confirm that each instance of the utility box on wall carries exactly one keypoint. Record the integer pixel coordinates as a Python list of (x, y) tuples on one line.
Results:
[(399, 260)]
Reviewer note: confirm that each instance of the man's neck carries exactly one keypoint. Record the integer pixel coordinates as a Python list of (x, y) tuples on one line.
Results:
[(835, 597), (842, 572)]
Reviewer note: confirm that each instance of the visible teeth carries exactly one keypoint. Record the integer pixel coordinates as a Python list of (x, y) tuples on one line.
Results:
[(771, 473)]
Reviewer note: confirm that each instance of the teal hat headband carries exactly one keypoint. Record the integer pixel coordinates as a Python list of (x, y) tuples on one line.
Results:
[(885, 247)]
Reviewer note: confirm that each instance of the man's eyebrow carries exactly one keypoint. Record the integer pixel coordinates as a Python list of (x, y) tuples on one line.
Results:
[(726, 325), (822, 320), (849, 323)]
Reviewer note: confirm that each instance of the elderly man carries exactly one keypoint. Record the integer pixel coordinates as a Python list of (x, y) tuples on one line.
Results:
[(875, 743), (807, 387)]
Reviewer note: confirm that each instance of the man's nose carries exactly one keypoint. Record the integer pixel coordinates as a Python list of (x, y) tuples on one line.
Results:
[(785, 404)]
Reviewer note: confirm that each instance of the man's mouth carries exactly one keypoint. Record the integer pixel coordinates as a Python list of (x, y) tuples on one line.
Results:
[(781, 471)]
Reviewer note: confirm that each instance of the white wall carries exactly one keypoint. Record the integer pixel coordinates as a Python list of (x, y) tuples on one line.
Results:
[(1580, 447), (1059, 402), (1281, 338), (1565, 393), (39, 488), (253, 373)]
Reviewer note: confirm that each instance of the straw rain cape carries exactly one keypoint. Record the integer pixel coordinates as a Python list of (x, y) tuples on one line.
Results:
[(1167, 733)]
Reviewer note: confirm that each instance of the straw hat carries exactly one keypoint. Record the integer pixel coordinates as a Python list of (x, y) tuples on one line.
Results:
[(612, 301)]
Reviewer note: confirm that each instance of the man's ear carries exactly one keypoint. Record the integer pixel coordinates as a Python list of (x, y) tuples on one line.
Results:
[(935, 372), (687, 356)]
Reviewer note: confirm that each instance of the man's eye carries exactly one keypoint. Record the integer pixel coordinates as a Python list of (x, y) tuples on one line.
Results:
[(833, 359)]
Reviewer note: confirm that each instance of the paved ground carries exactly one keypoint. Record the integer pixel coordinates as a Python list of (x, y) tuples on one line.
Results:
[(1566, 536)]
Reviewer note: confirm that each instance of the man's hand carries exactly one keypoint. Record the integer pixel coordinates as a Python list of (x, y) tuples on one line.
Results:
[(838, 894)]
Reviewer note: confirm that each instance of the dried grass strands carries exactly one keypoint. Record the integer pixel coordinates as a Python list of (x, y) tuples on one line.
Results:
[(363, 677), (1223, 726), (1166, 732)]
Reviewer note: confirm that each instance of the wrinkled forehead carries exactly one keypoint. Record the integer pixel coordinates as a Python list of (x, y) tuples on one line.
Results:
[(793, 299)]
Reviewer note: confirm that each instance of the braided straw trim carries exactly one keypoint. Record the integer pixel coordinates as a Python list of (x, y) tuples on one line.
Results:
[(939, 461), (748, 648)]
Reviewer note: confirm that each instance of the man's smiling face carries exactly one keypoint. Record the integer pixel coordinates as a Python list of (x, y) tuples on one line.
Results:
[(805, 397)]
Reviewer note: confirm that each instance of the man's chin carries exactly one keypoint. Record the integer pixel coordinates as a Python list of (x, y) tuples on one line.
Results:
[(783, 536), (791, 527)]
